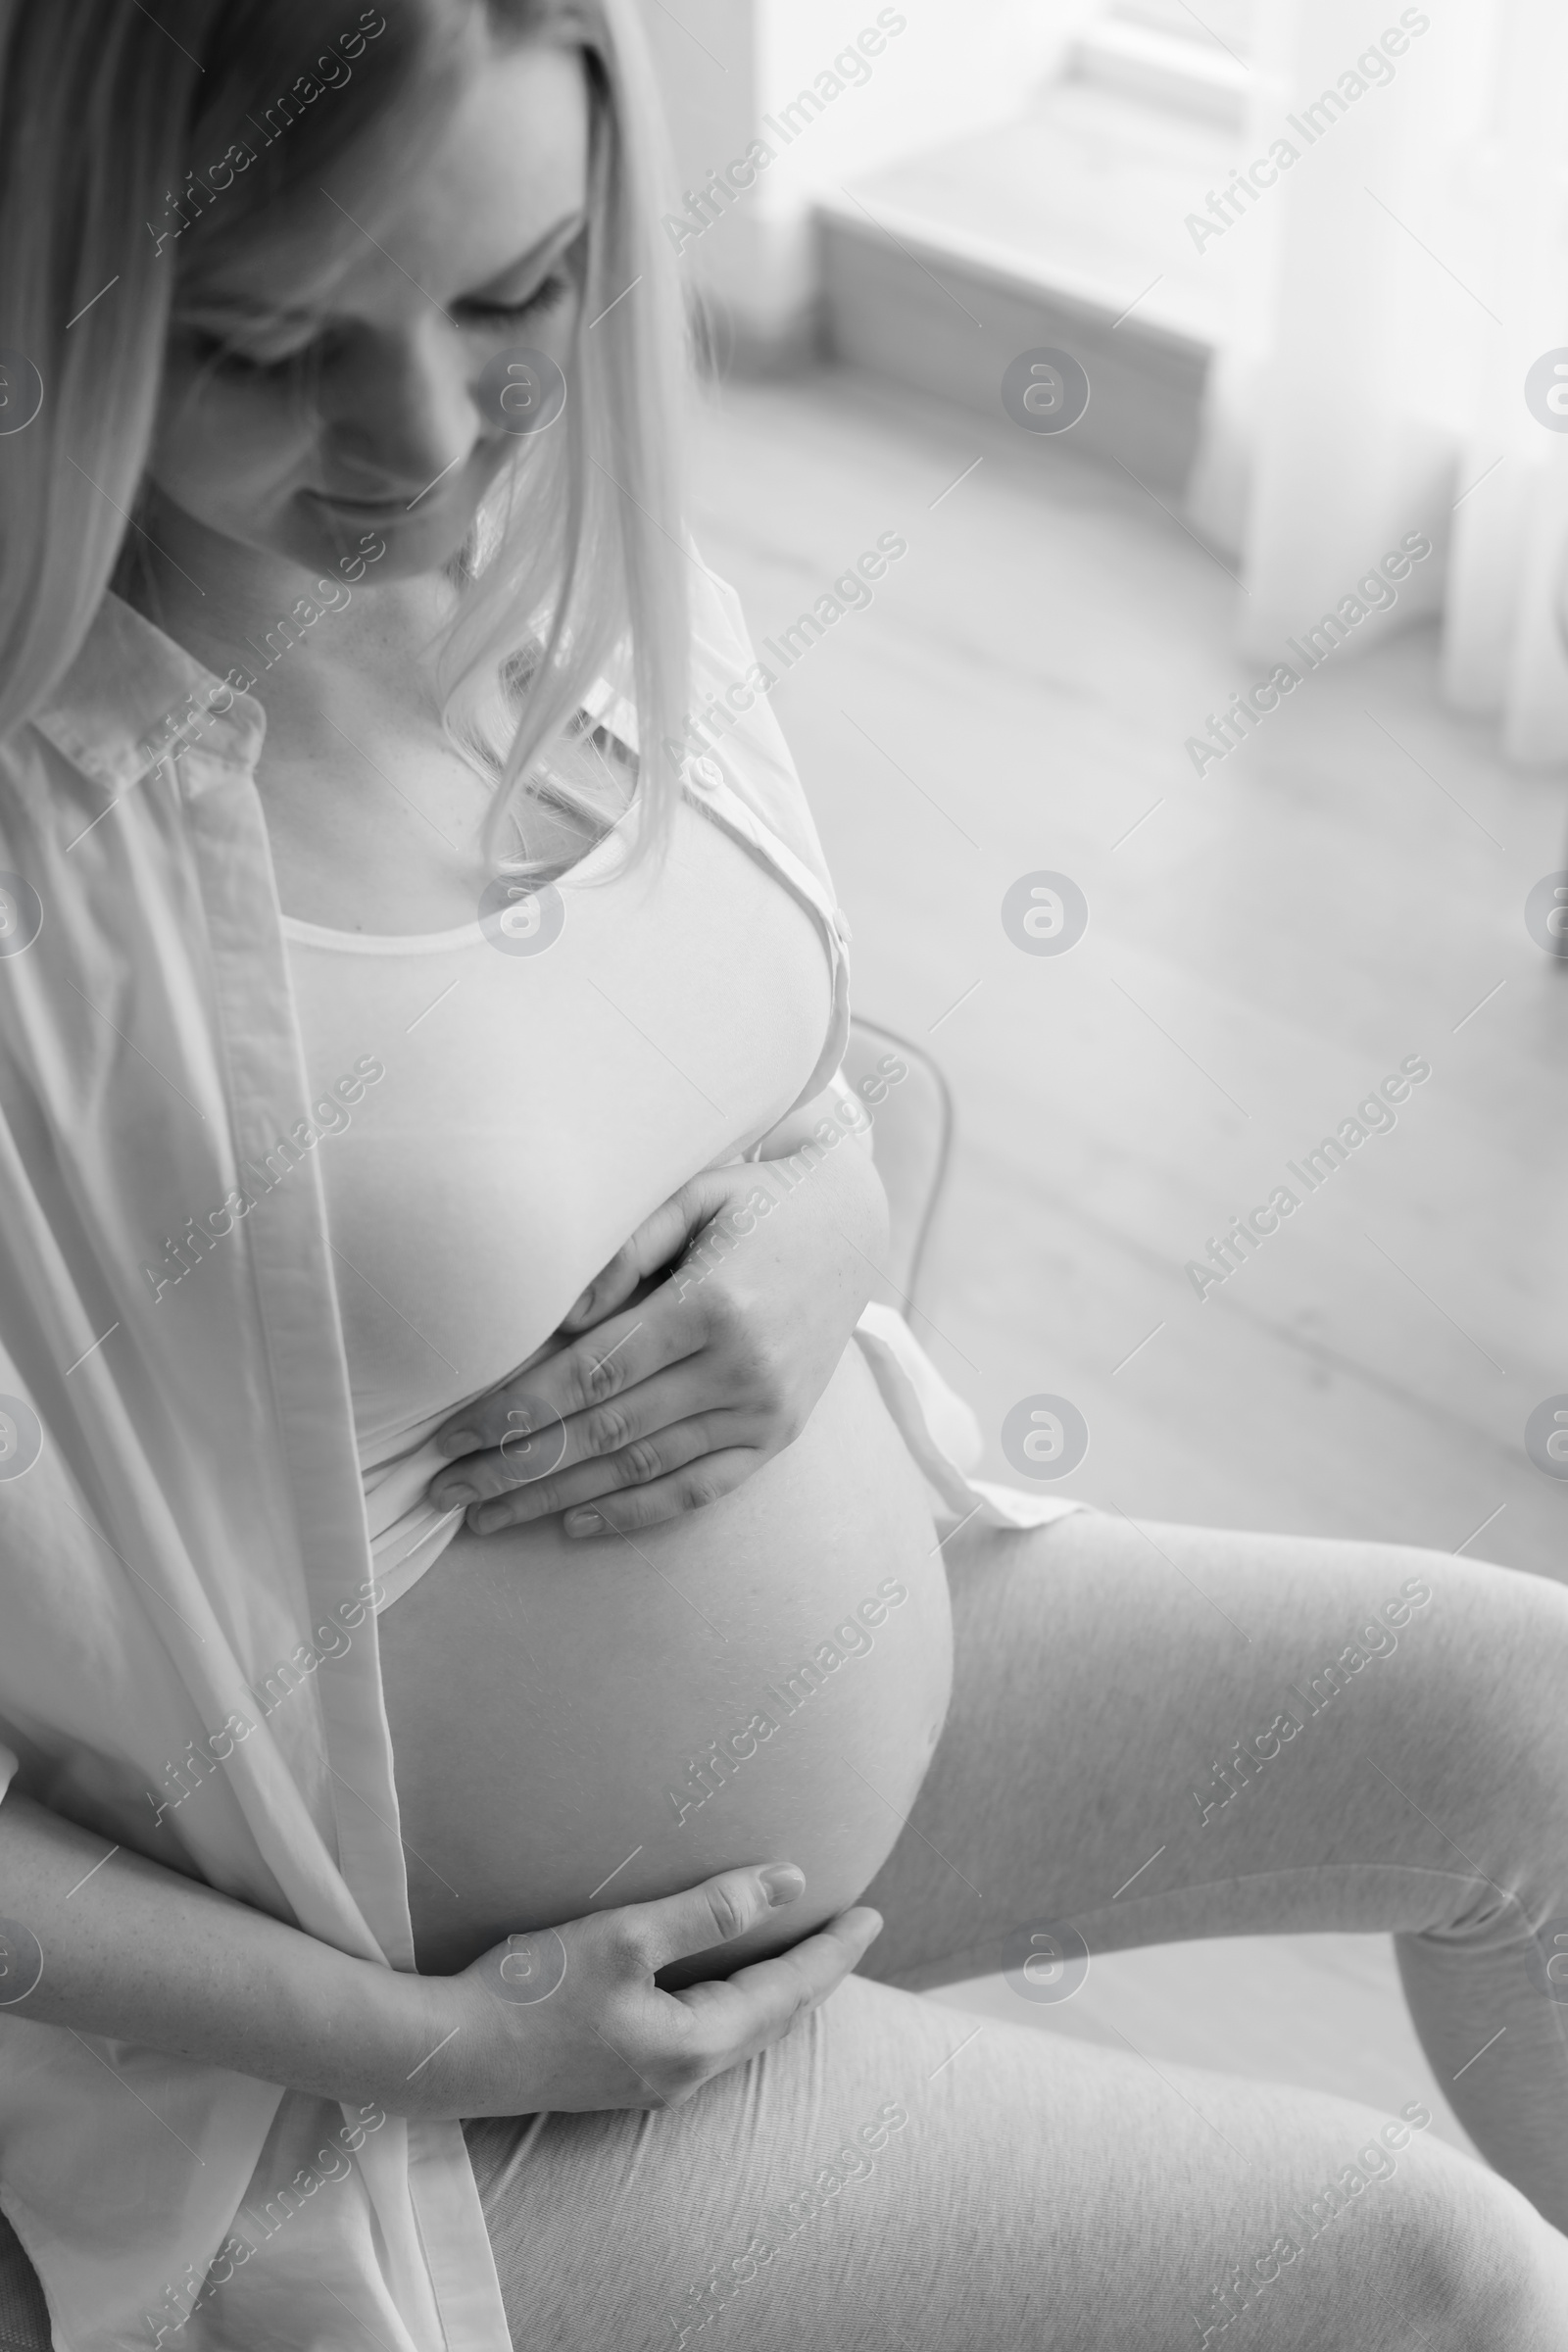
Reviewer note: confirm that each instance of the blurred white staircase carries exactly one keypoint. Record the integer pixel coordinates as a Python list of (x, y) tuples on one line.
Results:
[(1063, 226)]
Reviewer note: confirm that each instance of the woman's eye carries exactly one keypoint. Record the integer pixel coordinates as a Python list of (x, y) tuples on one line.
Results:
[(546, 296), (218, 355)]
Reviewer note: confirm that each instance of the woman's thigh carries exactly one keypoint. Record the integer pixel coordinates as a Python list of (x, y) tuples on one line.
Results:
[(1105, 1679), (1166, 1733), (894, 2174)]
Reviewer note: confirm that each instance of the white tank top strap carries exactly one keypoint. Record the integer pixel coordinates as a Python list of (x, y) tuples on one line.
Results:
[(706, 782), (747, 769)]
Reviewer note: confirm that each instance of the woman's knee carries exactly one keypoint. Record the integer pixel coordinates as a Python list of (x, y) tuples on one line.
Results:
[(1521, 1613), (1504, 1669), (1470, 2262), (1501, 2287)]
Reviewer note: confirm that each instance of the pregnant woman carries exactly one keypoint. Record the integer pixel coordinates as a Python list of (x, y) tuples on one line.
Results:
[(474, 1574)]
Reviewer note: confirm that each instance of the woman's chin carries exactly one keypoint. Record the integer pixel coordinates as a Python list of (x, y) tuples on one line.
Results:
[(324, 536)]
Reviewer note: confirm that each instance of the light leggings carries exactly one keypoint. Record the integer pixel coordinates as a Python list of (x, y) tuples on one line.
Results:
[(1042, 2191), (881, 2180)]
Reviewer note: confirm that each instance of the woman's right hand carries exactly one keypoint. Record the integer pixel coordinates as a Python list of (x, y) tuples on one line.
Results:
[(570, 2019)]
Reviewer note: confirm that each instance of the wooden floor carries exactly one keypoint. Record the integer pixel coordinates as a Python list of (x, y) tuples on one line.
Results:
[(1264, 945)]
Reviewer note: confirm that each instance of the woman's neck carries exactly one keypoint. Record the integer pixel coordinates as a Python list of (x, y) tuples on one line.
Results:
[(316, 640), (374, 817)]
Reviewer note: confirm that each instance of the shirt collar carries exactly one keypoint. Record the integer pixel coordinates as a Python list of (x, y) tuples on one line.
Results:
[(132, 695)]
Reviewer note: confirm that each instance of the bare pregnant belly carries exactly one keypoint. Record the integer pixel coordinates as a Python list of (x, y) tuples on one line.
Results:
[(577, 1725)]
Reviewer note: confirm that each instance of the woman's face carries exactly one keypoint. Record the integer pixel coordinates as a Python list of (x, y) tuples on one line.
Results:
[(307, 428)]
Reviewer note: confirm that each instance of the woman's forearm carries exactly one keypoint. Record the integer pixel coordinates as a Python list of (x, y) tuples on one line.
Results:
[(144, 1954)]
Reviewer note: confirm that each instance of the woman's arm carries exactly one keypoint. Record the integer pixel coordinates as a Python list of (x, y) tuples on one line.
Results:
[(568, 2019), (142, 1953)]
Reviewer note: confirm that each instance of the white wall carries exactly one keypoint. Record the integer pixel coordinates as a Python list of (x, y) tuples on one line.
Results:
[(726, 64)]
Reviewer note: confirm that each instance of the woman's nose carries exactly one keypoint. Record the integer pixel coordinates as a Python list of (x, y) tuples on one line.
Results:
[(398, 408)]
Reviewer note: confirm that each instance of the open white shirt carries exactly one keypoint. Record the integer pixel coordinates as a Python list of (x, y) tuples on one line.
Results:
[(182, 1513)]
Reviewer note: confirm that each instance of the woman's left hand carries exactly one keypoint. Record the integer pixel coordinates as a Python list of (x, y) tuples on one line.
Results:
[(672, 1402)]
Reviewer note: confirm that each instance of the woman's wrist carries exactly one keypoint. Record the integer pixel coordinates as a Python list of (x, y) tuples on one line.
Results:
[(450, 2048), (420, 2035), (355, 2031)]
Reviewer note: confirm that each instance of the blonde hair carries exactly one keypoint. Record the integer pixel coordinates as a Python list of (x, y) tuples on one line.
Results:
[(577, 563)]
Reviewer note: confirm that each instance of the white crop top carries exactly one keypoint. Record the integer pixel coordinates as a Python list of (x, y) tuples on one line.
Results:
[(550, 1074)]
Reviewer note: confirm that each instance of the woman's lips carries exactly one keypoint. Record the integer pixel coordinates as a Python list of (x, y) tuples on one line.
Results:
[(383, 509)]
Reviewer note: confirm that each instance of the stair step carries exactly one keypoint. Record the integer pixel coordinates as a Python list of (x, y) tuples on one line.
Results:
[(1064, 226), (1232, 23), (1164, 68)]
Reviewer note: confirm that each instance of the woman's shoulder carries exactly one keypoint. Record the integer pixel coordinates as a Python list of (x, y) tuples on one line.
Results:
[(126, 695)]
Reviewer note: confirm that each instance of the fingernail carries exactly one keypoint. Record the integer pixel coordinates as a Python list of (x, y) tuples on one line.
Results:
[(453, 1499), (581, 1308), (584, 1523), (783, 1883), (460, 1441), (494, 1515)]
